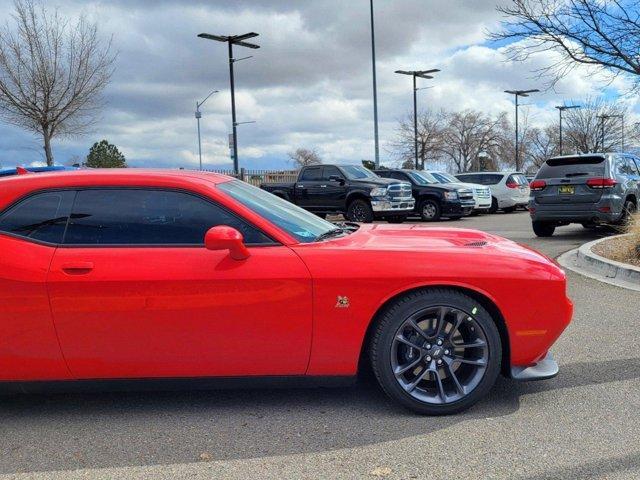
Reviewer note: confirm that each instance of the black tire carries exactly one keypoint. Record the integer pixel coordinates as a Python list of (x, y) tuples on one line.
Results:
[(360, 210), (494, 205), (543, 229), (627, 213), (383, 348), (509, 209), (429, 210), (397, 219)]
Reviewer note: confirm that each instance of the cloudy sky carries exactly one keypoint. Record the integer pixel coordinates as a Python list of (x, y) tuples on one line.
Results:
[(309, 85)]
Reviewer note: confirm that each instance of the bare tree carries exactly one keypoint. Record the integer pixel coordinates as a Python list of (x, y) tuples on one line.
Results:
[(430, 127), (596, 127), (52, 73), (544, 143), (303, 157), (604, 34), (472, 139)]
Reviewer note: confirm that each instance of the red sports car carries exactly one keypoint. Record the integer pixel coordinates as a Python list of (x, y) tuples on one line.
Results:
[(117, 277)]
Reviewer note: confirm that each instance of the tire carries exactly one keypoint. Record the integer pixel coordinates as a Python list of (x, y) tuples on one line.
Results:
[(627, 212), (388, 354), (543, 229), (494, 205), (398, 219), (360, 211), (509, 209), (429, 210)]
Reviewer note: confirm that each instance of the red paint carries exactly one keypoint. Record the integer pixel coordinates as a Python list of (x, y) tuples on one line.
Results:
[(78, 313)]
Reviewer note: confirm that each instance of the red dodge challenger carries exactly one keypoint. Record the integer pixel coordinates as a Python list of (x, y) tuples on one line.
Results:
[(113, 278)]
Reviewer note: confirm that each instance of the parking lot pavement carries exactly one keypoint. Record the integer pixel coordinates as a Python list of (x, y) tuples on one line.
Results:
[(582, 424)]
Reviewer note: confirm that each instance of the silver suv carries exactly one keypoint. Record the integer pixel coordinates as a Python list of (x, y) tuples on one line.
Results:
[(590, 189)]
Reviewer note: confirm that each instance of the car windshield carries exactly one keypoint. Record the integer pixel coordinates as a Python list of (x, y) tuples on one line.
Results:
[(422, 178), (356, 172), (300, 224), (444, 177)]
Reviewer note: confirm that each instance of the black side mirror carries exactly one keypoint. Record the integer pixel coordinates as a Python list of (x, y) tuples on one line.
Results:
[(336, 178)]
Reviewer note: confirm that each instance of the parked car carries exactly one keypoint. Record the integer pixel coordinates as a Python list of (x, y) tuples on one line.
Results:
[(352, 190), (589, 189), (434, 199), (169, 276), (481, 193), (509, 190), (5, 172)]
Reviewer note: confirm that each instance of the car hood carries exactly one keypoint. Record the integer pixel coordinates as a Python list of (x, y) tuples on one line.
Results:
[(424, 239), (472, 186)]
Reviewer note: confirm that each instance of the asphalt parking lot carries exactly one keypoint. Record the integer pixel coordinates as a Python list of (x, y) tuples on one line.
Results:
[(582, 424)]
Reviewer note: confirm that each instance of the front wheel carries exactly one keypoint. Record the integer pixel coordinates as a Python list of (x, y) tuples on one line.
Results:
[(543, 229), (494, 205), (430, 210), (436, 352), (360, 211)]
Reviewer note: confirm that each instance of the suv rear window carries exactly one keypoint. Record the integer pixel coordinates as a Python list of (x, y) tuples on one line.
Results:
[(572, 167), (482, 179)]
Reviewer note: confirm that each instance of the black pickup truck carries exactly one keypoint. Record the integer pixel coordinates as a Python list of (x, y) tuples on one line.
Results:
[(434, 199), (352, 190)]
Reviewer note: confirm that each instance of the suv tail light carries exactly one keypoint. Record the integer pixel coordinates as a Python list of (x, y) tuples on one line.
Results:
[(512, 185), (537, 185), (601, 182)]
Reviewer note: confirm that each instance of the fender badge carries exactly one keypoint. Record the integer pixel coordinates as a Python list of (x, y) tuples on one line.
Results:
[(343, 302)]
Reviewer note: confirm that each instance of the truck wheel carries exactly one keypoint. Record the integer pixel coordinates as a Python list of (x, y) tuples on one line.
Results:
[(360, 211), (543, 229), (398, 219), (436, 352), (509, 209), (494, 205), (429, 210)]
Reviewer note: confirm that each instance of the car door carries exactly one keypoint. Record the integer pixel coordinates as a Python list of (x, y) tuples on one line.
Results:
[(135, 294), (308, 188), (334, 191), (30, 230)]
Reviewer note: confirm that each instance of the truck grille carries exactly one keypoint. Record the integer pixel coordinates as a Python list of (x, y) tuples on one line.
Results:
[(465, 194), (483, 192), (399, 190)]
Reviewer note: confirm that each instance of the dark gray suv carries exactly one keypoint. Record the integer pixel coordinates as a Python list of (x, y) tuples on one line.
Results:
[(590, 189)]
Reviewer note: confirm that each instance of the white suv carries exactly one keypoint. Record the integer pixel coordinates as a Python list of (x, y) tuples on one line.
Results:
[(509, 190), (481, 193)]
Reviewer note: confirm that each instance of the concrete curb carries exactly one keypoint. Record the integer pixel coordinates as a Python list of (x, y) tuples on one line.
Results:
[(585, 262)]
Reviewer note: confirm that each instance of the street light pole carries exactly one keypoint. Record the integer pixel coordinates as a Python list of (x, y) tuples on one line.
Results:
[(198, 117), (415, 74), (562, 108), (375, 90), (519, 93), (233, 40)]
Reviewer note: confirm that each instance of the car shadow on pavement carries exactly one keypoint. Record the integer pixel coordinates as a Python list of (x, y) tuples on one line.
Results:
[(61, 432)]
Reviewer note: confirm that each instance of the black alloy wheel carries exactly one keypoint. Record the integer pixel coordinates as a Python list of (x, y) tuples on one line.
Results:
[(436, 352), (360, 211)]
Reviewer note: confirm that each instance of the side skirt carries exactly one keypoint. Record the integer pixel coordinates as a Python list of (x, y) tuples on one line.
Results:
[(174, 384)]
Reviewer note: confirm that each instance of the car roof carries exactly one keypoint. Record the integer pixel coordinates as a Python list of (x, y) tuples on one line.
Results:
[(510, 172), (14, 186)]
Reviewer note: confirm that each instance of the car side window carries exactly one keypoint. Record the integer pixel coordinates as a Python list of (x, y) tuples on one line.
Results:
[(41, 217), (149, 217), (312, 174), (330, 171)]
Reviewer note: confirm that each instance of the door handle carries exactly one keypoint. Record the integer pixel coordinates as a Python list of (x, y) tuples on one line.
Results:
[(77, 268)]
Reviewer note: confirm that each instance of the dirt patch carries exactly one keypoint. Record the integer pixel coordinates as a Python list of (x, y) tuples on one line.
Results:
[(620, 249)]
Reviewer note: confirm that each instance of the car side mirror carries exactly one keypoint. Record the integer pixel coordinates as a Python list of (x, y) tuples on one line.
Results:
[(223, 237), (336, 178)]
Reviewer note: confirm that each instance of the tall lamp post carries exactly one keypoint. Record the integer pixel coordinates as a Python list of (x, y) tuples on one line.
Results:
[(232, 40), (375, 89), (198, 117), (415, 74), (606, 117), (562, 108), (519, 93)]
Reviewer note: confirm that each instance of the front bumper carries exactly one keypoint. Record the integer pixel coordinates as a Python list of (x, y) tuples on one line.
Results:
[(457, 208), (397, 205), (542, 370)]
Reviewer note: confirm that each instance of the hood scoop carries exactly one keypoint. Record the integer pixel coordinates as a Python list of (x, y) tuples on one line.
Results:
[(480, 243)]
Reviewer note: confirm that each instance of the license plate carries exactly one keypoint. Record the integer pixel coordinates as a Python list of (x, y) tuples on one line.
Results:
[(566, 189)]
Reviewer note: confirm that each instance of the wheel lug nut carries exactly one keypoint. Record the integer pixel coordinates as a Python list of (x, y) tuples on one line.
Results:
[(428, 346), (439, 362), (428, 358), (446, 352), (439, 342)]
